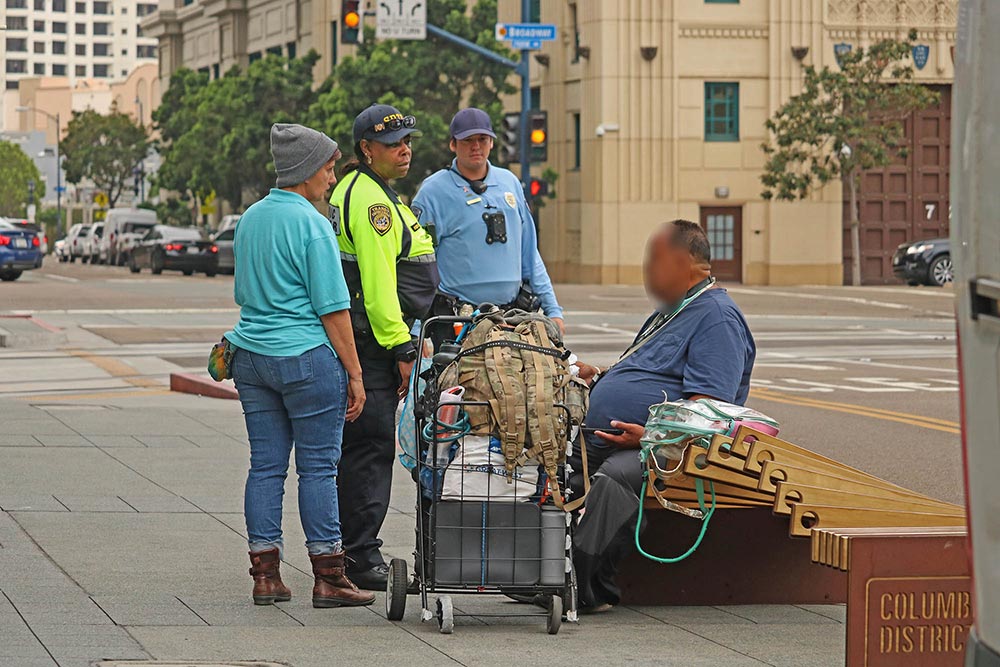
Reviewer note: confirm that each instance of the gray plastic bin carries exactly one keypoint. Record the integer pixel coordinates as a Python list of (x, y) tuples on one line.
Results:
[(499, 544)]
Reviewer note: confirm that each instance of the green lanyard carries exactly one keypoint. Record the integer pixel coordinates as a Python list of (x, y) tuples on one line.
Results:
[(655, 328)]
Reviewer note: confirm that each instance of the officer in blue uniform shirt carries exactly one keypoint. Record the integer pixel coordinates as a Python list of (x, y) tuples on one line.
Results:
[(487, 247)]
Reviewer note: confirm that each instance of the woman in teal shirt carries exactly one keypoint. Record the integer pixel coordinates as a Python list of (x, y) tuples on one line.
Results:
[(296, 366)]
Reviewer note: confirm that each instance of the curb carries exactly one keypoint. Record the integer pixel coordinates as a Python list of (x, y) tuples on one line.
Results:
[(186, 383)]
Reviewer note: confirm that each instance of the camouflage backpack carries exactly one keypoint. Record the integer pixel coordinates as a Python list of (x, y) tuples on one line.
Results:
[(515, 362)]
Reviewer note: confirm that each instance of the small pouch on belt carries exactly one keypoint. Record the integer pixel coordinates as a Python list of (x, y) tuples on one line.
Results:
[(220, 360)]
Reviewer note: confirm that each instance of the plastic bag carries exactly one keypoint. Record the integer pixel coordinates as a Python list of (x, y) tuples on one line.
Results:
[(672, 425)]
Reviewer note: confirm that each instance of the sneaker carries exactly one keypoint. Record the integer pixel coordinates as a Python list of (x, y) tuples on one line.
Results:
[(374, 579)]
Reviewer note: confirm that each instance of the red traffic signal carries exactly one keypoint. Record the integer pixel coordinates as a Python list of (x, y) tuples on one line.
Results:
[(538, 187)]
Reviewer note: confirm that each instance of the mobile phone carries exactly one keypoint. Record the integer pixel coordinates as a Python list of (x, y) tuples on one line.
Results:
[(609, 431)]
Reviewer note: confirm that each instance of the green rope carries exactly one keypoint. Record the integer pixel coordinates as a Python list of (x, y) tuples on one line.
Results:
[(699, 486)]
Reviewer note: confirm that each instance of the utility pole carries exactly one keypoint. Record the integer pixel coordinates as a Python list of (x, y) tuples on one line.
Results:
[(521, 69)]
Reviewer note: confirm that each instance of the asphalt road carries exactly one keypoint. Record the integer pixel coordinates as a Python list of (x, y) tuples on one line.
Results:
[(864, 375)]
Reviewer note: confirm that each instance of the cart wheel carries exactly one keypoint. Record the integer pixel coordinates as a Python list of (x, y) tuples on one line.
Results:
[(555, 615), (395, 592), (446, 615)]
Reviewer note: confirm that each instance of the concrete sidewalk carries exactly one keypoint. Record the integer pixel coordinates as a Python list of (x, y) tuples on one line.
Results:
[(122, 537)]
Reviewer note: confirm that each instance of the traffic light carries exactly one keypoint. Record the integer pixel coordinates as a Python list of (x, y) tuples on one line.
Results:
[(510, 139), (538, 188), (539, 128), (352, 14)]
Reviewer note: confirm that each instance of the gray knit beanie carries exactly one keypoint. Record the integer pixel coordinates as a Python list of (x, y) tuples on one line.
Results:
[(298, 152)]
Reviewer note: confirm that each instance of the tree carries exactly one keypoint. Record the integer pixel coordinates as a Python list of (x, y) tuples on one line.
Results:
[(103, 149), (844, 122), (430, 79), (16, 170), (215, 135)]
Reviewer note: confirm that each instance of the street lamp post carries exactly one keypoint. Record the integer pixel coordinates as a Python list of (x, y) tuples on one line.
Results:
[(59, 217)]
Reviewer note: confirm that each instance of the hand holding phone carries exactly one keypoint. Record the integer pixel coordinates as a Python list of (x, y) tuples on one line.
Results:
[(610, 431)]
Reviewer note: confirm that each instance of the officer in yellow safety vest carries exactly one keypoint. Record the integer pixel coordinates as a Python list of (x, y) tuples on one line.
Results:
[(392, 275)]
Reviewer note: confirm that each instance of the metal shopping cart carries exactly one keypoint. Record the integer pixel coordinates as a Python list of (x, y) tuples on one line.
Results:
[(477, 533)]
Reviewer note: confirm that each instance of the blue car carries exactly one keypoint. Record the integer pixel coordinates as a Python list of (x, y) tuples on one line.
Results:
[(20, 250)]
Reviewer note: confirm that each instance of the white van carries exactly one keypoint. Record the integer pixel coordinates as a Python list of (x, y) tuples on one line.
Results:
[(975, 252), (123, 227)]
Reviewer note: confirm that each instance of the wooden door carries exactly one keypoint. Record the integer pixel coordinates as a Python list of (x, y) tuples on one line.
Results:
[(724, 227), (906, 201)]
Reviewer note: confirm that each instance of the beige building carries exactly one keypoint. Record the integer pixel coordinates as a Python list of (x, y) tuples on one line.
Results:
[(214, 35), (657, 109)]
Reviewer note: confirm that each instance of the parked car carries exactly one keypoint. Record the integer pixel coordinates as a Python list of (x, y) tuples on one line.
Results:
[(224, 240), (228, 222), (74, 240), (184, 249), (61, 250), (33, 226), (20, 250), (927, 262), (123, 227), (91, 243)]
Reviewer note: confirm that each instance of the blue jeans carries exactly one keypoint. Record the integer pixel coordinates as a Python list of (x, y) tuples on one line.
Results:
[(286, 400)]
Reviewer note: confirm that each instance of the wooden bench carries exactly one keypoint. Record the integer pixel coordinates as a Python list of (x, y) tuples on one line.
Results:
[(766, 490)]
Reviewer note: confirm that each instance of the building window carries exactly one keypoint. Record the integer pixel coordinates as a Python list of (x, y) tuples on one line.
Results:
[(124, 10), (17, 66), (102, 49), (216, 71), (146, 51), (722, 111), (81, 49), (138, 31), (255, 56), (39, 26), (187, 2), (577, 141), (18, 4), (290, 50), (58, 70), (125, 52), (39, 69), (143, 9), (101, 71), (39, 47), (11, 85), (17, 23), (124, 73), (59, 48), (81, 8), (59, 5), (81, 70), (101, 8), (81, 28), (17, 44), (535, 11), (576, 34), (59, 27), (102, 28), (536, 97)]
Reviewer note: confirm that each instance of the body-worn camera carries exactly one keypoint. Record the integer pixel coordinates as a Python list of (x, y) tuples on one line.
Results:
[(496, 227)]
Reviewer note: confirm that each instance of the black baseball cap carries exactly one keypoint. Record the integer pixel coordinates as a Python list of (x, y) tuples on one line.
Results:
[(385, 124), (470, 122)]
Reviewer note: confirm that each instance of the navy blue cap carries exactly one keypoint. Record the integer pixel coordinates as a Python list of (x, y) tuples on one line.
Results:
[(374, 124), (469, 122)]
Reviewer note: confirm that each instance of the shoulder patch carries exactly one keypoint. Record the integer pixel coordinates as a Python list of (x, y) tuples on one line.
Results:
[(381, 218), (510, 199)]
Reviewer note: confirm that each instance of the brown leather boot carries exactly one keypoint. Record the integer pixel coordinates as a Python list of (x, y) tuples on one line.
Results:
[(333, 588), (267, 585)]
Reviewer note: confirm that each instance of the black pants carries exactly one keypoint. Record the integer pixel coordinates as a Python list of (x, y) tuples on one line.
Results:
[(606, 533), (364, 478)]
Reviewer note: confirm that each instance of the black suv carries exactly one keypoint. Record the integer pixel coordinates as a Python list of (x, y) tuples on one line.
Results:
[(927, 262)]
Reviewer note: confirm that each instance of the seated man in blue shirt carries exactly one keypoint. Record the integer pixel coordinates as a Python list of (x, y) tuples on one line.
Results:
[(483, 232), (704, 351)]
